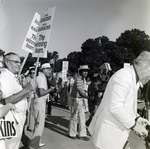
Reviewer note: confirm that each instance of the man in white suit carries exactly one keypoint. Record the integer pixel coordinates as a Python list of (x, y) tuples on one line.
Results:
[(117, 113)]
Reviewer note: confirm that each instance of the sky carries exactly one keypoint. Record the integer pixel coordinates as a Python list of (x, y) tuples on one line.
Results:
[(74, 21)]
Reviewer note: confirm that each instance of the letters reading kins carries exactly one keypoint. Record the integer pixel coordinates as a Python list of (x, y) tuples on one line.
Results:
[(7, 129)]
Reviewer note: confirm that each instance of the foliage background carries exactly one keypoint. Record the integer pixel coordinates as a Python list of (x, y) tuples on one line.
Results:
[(95, 52)]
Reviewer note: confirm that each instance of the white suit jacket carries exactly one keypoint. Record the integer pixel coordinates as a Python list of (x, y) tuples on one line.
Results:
[(116, 114)]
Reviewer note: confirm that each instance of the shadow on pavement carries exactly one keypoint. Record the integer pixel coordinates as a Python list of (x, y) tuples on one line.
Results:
[(58, 120), (25, 141), (62, 108), (56, 123)]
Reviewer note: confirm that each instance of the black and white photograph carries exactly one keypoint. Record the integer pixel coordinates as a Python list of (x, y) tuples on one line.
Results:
[(74, 74)]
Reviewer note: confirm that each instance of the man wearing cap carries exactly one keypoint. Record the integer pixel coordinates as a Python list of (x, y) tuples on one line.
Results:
[(117, 113), (79, 98), (40, 105)]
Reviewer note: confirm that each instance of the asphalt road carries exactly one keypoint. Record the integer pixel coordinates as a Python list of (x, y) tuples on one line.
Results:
[(55, 133)]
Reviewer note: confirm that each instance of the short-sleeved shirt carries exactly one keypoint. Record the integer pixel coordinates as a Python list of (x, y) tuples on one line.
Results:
[(42, 83), (10, 86)]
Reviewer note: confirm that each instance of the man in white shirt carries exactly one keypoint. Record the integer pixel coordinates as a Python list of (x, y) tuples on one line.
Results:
[(12, 92), (40, 105)]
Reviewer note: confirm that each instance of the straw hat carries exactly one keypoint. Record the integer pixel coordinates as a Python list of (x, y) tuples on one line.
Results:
[(83, 67)]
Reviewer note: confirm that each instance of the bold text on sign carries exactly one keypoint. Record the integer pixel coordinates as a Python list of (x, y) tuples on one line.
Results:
[(7, 129)]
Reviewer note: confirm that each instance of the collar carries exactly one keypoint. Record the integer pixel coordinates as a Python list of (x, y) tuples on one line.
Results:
[(81, 78), (136, 74), (42, 75), (140, 83), (137, 78), (5, 69)]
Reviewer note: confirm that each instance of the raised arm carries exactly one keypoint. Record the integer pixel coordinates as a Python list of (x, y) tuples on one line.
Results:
[(20, 95)]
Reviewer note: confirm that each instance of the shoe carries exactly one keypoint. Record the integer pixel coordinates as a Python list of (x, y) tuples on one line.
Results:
[(71, 137), (48, 115), (88, 133), (29, 147), (41, 144), (84, 138)]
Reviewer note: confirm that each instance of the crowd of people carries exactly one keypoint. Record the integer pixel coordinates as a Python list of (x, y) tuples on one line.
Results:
[(104, 105)]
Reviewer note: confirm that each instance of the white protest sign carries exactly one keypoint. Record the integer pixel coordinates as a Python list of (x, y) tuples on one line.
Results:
[(8, 126), (7, 129), (65, 65), (44, 30), (29, 42), (64, 70)]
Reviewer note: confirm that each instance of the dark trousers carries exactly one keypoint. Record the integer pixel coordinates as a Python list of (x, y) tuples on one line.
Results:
[(49, 109)]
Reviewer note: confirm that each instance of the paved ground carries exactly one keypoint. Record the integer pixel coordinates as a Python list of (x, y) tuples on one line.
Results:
[(55, 133)]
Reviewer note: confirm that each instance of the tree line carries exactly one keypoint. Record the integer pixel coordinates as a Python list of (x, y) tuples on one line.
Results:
[(95, 52)]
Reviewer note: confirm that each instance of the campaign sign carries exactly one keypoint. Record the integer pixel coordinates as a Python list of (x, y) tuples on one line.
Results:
[(44, 30), (65, 65), (8, 126), (64, 70), (29, 42)]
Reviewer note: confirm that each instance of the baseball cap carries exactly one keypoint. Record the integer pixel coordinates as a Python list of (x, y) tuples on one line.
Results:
[(46, 66)]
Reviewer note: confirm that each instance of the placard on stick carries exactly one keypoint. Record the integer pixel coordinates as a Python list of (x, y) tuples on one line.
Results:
[(44, 30), (30, 39)]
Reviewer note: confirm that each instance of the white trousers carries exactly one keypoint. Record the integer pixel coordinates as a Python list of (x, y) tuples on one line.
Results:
[(78, 116), (39, 115)]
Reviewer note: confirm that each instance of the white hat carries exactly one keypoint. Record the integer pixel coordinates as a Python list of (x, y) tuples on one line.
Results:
[(83, 67), (105, 66), (46, 66)]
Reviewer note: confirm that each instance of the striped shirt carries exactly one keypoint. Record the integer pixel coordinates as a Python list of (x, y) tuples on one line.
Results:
[(79, 85)]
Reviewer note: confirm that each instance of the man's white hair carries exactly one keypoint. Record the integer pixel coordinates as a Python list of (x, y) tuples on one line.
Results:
[(143, 60)]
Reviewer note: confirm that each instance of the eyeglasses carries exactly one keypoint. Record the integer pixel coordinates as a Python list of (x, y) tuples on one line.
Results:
[(16, 62)]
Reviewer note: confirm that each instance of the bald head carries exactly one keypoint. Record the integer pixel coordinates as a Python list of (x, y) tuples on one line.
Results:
[(142, 65), (12, 62), (143, 59)]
